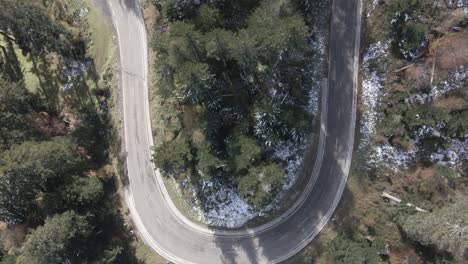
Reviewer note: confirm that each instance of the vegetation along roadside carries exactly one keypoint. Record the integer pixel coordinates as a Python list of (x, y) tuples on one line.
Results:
[(59, 200), (235, 100)]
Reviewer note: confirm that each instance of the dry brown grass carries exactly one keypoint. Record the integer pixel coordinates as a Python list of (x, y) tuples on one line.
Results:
[(151, 16), (450, 51), (452, 102), (417, 75), (425, 184), (405, 255), (452, 19), (12, 237)]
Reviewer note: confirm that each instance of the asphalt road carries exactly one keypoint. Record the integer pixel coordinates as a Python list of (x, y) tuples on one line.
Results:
[(172, 235)]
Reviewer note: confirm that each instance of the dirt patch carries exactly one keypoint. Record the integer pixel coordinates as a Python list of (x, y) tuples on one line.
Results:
[(453, 19), (417, 75), (52, 126), (424, 183), (450, 51), (404, 256)]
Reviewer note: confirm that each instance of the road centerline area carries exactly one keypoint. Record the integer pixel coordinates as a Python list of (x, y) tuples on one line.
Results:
[(171, 234)]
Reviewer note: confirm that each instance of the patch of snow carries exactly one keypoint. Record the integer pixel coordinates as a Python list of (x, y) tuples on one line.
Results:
[(392, 157), (318, 47), (428, 131), (292, 155), (375, 3), (372, 94), (452, 156), (372, 90), (223, 206), (460, 4), (72, 70), (456, 80), (83, 12)]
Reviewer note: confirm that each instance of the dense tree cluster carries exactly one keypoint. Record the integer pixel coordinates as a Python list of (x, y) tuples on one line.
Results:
[(238, 71), (32, 29), (56, 186)]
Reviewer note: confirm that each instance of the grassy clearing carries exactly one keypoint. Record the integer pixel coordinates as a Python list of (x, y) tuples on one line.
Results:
[(101, 45), (31, 79), (146, 255)]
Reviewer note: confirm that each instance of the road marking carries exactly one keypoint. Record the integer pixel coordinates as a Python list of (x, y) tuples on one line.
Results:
[(149, 239)]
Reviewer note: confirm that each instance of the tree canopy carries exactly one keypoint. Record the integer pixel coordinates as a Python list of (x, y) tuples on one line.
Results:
[(245, 85), (60, 240), (445, 228)]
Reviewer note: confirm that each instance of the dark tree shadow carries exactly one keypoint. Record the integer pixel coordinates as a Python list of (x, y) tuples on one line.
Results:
[(10, 64), (49, 85)]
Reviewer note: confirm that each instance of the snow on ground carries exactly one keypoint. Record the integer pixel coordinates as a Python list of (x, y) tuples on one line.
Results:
[(292, 154), (452, 156), (456, 80), (318, 46), (222, 206), (371, 99), (372, 94), (372, 90), (395, 158), (460, 4), (73, 70)]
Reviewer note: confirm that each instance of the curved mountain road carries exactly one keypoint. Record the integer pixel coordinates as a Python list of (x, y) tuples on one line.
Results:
[(172, 235)]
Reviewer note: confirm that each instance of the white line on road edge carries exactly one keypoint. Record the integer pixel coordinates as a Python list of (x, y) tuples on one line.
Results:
[(169, 203)]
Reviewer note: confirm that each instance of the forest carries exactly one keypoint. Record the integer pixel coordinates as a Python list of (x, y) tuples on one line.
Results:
[(234, 78), (58, 201)]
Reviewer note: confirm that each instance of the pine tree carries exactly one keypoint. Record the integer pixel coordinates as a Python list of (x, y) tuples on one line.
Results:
[(446, 228), (18, 193), (59, 240)]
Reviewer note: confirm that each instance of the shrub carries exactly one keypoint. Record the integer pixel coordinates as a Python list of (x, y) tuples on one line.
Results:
[(173, 156), (408, 36), (261, 183), (445, 172), (206, 162), (243, 151)]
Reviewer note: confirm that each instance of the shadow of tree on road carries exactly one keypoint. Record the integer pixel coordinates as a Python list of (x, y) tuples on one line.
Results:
[(297, 231)]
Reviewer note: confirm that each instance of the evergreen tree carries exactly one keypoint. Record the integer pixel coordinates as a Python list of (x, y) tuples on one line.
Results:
[(347, 251), (15, 104), (49, 160), (261, 183), (206, 161), (173, 156), (208, 18), (446, 228), (18, 193), (31, 28), (60, 240), (244, 151)]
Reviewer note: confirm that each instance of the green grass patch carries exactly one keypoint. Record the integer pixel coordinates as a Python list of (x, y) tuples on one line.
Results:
[(179, 201), (100, 45), (31, 80), (146, 255)]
